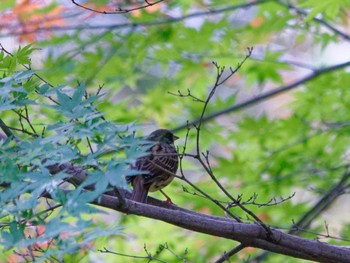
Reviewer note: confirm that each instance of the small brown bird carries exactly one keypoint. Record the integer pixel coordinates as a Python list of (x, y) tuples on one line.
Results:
[(162, 157)]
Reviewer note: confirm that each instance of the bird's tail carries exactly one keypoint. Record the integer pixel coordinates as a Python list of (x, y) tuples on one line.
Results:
[(140, 190)]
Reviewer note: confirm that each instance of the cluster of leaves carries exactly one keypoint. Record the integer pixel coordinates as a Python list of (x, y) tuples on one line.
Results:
[(77, 135)]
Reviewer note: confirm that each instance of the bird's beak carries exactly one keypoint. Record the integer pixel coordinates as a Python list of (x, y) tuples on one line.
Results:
[(175, 138)]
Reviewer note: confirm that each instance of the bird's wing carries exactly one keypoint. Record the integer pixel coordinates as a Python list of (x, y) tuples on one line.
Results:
[(152, 162)]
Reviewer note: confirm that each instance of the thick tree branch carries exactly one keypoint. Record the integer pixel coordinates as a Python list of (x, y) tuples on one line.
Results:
[(318, 20), (265, 95), (5, 129), (325, 201), (248, 234)]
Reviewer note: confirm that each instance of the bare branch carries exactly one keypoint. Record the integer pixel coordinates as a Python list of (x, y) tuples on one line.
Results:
[(266, 95), (205, 163), (322, 204), (149, 255), (6, 129), (189, 94), (229, 254), (118, 10), (290, 6)]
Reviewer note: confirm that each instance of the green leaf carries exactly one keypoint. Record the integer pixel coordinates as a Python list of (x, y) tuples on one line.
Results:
[(14, 236), (23, 54), (19, 77)]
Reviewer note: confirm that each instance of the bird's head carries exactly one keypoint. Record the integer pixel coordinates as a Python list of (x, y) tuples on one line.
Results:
[(162, 135)]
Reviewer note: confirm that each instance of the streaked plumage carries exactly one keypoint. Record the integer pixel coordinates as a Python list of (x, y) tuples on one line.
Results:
[(163, 157)]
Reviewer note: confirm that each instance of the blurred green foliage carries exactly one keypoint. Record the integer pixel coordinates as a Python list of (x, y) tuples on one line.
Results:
[(138, 65)]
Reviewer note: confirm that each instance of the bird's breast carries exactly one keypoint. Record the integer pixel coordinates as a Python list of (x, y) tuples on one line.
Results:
[(160, 184)]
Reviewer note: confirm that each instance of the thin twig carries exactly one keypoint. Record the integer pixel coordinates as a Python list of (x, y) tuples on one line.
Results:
[(229, 254), (149, 256), (189, 94), (119, 10)]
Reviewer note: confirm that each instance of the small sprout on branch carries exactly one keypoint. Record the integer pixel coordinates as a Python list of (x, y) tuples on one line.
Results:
[(189, 94), (149, 256)]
